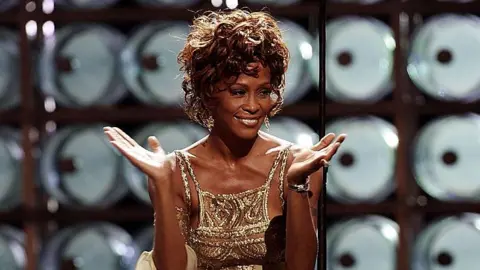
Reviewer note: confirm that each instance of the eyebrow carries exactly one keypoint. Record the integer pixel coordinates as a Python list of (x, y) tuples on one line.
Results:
[(246, 85)]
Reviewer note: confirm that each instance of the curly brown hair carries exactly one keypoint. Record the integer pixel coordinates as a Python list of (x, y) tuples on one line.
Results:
[(220, 45)]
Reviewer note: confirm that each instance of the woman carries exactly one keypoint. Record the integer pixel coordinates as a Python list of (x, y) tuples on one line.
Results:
[(222, 203)]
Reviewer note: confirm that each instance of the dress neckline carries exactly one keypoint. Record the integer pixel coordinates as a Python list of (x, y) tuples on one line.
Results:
[(266, 184)]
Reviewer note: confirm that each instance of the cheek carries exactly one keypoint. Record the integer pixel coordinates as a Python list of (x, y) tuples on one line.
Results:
[(270, 103), (225, 108), (231, 105)]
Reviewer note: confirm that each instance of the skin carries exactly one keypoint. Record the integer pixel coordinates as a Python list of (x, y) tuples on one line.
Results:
[(239, 156)]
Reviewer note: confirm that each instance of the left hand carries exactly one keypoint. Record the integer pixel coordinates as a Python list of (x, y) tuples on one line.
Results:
[(311, 160)]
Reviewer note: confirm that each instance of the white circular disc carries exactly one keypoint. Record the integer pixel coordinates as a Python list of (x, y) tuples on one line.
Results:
[(297, 78), (163, 41), (9, 69), (448, 244), (92, 52), (456, 39), (359, 59), (96, 166), (363, 168), (369, 241), (446, 157)]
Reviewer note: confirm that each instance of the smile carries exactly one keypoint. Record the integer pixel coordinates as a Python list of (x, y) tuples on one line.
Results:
[(248, 122)]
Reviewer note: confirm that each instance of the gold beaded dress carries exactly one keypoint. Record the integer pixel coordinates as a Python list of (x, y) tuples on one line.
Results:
[(234, 230)]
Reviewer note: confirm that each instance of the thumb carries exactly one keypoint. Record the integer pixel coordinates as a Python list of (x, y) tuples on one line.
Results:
[(154, 144)]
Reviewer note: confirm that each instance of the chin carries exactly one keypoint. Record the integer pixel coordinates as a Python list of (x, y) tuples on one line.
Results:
[(247, 134)]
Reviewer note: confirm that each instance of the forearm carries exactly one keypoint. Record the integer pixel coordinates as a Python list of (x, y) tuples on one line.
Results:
[(301, 243), (169, 244)]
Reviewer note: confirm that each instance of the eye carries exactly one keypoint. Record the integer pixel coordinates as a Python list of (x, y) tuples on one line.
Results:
[(237, 92), (265, 92)]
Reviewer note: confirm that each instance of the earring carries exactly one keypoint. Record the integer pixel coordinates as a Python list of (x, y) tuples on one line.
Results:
[(210, 123), (267, 123)]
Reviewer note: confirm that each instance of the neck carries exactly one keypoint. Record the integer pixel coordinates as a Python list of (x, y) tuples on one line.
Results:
[(229, 147)]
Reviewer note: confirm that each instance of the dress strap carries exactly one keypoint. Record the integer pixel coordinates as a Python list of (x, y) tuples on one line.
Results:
[(182, 164), (190, 169), (186, 163), (185, 166), (274, 167), (281, 177)]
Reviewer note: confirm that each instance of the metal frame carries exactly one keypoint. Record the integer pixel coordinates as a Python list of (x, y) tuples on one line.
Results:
[(405, 108)]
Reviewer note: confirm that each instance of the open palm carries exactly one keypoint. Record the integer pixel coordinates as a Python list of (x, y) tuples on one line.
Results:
[(152, 163), (311, 160)]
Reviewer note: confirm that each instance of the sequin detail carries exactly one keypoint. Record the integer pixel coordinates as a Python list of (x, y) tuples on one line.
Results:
[(230, 234)]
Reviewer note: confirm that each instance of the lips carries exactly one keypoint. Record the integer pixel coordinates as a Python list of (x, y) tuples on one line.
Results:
[(250, 122)]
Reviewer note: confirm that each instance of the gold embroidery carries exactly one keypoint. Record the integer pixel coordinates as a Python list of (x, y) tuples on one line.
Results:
[(183, 215), (281, 178), (183, 218), (230, 234)]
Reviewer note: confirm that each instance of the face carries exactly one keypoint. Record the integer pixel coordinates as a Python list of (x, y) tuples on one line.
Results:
[(240, 108)]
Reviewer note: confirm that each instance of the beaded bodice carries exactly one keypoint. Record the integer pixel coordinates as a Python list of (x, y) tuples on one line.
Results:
[(231, 230)]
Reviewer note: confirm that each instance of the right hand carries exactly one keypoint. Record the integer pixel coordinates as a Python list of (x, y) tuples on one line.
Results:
[(153, 163)]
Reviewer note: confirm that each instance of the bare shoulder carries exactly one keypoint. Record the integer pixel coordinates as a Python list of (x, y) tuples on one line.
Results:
[(279, 144), (273, 143), (172, 157), (173, 160), (194, 147)]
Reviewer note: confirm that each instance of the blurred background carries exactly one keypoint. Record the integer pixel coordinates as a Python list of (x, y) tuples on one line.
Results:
[(402, 78)]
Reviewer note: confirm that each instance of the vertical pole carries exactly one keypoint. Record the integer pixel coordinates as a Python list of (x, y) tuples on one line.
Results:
[(321, 217)]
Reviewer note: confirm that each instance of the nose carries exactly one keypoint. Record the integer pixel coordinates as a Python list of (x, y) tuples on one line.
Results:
[(251, 105)]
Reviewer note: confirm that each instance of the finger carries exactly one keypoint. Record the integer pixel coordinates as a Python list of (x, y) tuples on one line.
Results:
[(154, 144), (134, 157), (319, 158), (313, 163), (332, 151), (324, 142), (124, 135), (114, 137), (108, 132), (123, 149), (341, 138)]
